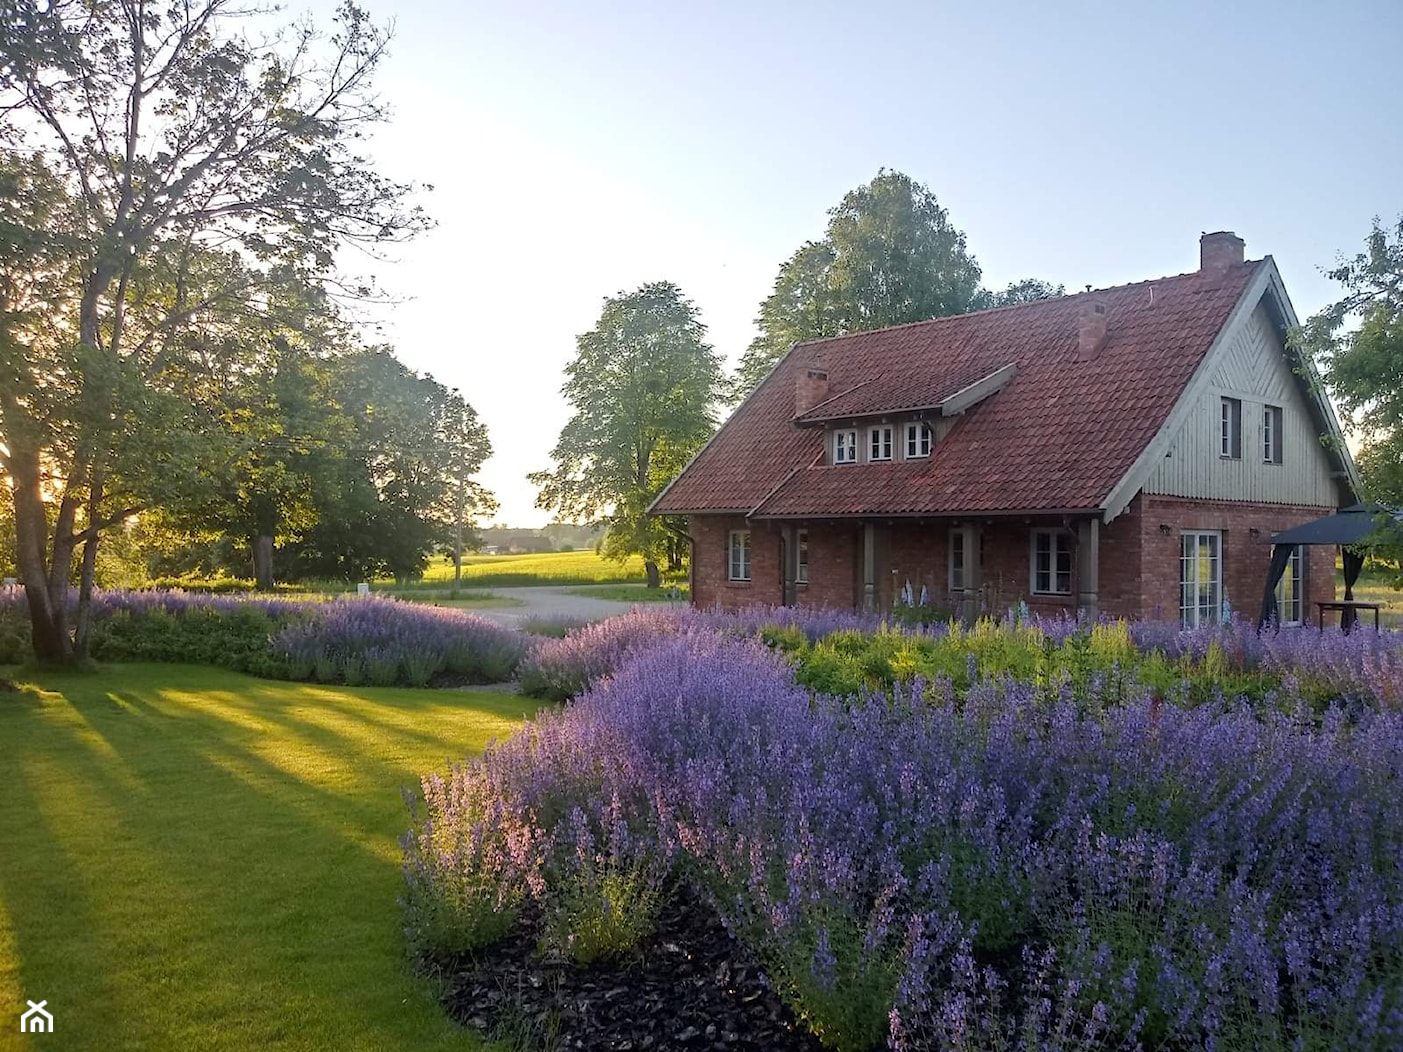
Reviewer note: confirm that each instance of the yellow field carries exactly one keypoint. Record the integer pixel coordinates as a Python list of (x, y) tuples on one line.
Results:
[(560, 568)]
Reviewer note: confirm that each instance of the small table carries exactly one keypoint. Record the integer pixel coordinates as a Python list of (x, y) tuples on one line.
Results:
[(1344, 605)]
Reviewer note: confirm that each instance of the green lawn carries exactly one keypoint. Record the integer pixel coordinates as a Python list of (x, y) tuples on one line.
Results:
[(194, 859), (633, 593)]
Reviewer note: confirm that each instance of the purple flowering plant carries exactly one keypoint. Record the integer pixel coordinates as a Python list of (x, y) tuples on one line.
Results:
[(357, 641), (993, 862)]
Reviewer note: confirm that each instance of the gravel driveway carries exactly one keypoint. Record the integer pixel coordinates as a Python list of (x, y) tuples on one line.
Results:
[(545, 601)]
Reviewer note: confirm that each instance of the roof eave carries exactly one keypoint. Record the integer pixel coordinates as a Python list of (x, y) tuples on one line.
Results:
[(721, 425), (876, 414), (1314, 386), (1089, 511), (1135, 477)]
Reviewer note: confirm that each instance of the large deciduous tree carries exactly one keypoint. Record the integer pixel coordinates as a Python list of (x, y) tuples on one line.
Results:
[(338, 456), (644, 385), (404, 485), (1358, 344), (890, 256), (147, 141)]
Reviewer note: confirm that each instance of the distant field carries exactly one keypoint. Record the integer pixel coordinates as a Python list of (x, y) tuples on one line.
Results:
[(1374, 586), (553, 568)]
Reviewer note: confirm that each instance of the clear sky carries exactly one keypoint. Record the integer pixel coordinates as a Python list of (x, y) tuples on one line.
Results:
[(577, 150)]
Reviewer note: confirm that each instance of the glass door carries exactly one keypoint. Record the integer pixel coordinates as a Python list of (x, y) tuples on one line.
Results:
[(1200, 578)]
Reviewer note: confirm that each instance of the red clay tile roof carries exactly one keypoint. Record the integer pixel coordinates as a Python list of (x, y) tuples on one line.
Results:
[(902, 385), (1058, 437)]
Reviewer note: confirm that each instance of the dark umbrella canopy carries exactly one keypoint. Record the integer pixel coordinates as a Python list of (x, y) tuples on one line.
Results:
[(1346, 527)]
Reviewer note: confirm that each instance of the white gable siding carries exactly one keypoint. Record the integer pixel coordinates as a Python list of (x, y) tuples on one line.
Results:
[(1250, 365)]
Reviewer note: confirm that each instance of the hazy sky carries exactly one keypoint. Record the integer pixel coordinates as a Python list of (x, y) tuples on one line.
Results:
[(577, 150)]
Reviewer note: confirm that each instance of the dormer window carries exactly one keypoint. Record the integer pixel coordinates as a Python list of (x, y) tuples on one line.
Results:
[(918, 441), (879, 447), (845, 447)]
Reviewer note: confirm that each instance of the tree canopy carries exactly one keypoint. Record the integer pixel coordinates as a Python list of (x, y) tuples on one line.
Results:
[(890, 256), (163, 170), (1357, 343), (643, 386)]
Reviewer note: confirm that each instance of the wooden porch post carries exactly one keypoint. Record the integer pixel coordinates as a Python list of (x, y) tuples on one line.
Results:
[(1089, 566), (789, 571), (969, 611), (869, 566)]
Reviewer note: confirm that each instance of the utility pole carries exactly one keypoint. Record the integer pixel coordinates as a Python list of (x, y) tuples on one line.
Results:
[(458, 542)]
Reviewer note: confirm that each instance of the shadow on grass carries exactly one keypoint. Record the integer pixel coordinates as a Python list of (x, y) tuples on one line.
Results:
[(217, 867)]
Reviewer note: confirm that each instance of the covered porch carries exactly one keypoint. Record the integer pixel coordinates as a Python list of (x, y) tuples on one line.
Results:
[(962, 566)]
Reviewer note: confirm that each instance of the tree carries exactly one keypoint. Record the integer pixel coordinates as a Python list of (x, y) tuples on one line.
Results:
[(151, 141), (890, 256), (1357, 343), (1029, 290), (406, 485), (337, 456), (643, 385)]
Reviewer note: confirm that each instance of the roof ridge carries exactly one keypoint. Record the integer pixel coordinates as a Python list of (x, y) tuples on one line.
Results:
[(1014, 306)]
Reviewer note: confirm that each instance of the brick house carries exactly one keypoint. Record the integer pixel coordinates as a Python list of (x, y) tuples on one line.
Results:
[(1127, 451)]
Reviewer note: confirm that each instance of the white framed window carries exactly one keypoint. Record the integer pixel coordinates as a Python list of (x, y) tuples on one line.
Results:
[(1271, 434), (879, 443), (845, 447), (1291, 590), (1230, 428), (957, 560), (918, 441), (1200, 578), (1052, 563), (801, 574), (739, 555)]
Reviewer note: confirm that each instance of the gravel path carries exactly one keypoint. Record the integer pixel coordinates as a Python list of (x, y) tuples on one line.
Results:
[(544, 601)]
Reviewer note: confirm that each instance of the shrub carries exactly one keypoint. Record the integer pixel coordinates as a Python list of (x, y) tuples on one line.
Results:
[(171, 627), (560, 669), (556, 626), (354, 641), (1070, 864), (389, 635), (14, 628), (604, 897), (465, 881)]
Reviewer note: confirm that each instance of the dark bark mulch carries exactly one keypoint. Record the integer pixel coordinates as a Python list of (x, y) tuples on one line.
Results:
[(691, 986)]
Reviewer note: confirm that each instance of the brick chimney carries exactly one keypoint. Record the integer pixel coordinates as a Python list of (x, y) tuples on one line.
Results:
[(1218, 251), (1091, 328), (810, 386)]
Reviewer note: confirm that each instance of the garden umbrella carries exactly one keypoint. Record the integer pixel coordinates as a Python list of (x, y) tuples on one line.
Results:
[(1347, 527)]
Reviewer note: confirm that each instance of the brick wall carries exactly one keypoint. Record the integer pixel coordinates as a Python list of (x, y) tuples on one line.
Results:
[(711, 584), (1246, 558), (916, 553), (835, 559), (1118, 580), (1139, 570), (1007, 570)]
